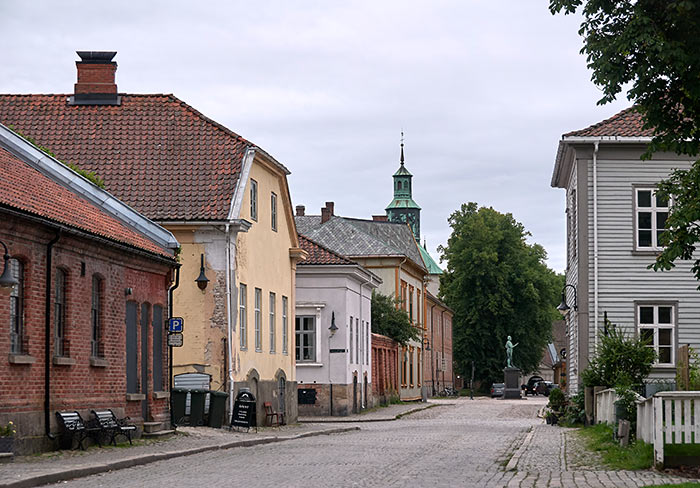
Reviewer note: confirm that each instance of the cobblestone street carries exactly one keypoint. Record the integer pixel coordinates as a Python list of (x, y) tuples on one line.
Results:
[(460, 443)]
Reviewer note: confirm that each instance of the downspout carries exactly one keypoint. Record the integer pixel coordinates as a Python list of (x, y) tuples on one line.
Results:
[(171, 293), (595, 247), (47, 338)]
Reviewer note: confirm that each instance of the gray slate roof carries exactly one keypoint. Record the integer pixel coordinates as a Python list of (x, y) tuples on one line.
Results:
[(357, 237)]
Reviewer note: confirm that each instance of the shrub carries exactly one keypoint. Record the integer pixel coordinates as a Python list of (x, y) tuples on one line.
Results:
[(575, 412), (557, 400), (620, 360), (7, 430)]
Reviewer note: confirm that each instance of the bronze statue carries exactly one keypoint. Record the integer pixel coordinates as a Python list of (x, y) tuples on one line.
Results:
[(509, 353)]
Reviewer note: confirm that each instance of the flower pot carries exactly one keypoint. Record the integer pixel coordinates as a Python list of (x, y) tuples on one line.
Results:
[(7, 444)]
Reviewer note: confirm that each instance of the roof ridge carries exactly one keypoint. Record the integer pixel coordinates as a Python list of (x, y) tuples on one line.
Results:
[(612, 118), (338, 255)]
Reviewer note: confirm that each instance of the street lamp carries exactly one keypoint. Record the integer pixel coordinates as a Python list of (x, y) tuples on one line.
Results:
[(7, 281), (333, 328), (563, 306), (426, 343), (202, 280)]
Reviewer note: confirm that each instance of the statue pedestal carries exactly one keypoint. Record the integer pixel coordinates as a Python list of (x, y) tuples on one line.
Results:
[(512, 381)]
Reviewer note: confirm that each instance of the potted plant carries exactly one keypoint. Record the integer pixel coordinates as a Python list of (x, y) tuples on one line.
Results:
[(7, 437)]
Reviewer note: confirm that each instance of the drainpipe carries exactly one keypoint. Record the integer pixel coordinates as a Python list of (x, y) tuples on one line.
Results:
[(171, 292), (595, 246), (47, 338)]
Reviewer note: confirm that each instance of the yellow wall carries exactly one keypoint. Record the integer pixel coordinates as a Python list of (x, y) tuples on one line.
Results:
[(263, 262)]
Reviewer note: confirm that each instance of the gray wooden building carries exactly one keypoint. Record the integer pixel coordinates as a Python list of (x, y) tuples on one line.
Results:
[(614, 218)]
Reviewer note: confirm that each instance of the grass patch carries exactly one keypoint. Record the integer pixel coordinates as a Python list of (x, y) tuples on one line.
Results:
[(599, 438)]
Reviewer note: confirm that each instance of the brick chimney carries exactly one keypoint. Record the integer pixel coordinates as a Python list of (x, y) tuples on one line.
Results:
[(96, 79), (380, 218), (327, 212), (301, 210)]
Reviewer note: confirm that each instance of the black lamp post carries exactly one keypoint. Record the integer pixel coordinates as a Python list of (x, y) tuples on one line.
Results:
[(7, 280), (333, 328), (426, 343), (563, 306), (202, 280)]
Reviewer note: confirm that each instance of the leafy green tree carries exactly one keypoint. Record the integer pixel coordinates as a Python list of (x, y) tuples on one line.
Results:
[(652, 48), (390, 320), (498, 285), (621, 361)]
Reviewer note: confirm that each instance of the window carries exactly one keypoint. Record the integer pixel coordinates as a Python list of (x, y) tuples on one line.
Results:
[(362, 343), (243, 317), (285, 339), (253, 199), (656, 325), (410, 303), (418, 362), (158, 327), (419, 319), (357, 340), (403, 295), (258, 319), (273, 298), (574, 224), (17, 309), (404, 360), (367, 337), (410, 368), (652, 212), (59, 314), (352, 349), (273, 210), (97, 351), (306, 339)]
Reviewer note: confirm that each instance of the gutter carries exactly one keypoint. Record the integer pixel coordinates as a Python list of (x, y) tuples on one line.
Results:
[(47, 337)]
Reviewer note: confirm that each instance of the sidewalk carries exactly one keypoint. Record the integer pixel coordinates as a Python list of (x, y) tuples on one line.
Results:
[(379, 414), (52, 467)]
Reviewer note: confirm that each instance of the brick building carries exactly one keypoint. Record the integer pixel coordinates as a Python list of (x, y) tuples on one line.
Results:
[(83, 328), (438, 372), (385, 361)]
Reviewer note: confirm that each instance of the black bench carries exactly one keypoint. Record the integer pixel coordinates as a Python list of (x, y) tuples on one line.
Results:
[(74, 427), (110, 425)]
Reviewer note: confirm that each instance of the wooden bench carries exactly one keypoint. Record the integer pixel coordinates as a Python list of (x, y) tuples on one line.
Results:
[(74, 427), (111, 426), (272, 417)]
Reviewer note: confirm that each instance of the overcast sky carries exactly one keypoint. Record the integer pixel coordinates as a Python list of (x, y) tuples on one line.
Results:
[(482, 89)]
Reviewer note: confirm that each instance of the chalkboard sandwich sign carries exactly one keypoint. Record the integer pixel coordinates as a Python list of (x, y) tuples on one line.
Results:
[(244, 410)]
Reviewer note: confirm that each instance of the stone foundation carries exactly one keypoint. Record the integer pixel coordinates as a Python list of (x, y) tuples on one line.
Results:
[(342, 400)]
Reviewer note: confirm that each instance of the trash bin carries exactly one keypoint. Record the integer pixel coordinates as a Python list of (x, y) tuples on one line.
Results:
[(178, 400), (217, 408), (197, 400)]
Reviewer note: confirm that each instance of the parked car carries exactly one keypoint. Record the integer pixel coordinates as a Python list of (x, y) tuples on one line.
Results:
[(498, 389), (532, 384), (545, 387)]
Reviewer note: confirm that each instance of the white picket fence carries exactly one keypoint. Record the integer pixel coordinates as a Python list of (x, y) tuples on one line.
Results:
[(669, 417), (605, 406)]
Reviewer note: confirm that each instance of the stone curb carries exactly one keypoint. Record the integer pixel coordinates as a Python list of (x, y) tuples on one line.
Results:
[(513, 463), (345, 420), (81, 472)]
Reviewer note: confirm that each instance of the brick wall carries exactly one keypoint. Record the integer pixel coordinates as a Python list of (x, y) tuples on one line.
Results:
[(80, 383), (385, 378), (438, 371)]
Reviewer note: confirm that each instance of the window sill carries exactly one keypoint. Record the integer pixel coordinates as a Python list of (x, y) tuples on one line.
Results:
[(98, 362), (135, 397), (158, 395), (309, 365), (21, 359), (646, 252), (63, 361), (258, 350)]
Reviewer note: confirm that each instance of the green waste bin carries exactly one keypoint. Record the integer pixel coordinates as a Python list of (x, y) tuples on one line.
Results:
[(217, 408), (197, 406), (178, 400)]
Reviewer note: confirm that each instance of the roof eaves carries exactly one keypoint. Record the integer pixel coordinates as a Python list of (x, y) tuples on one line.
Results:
[(66, 177)]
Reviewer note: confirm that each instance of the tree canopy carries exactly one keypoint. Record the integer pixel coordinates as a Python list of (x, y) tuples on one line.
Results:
[(652, 48), (390, 320), (498, 285)]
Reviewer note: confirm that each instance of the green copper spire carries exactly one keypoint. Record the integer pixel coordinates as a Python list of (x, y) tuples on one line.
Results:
[(402, 208)]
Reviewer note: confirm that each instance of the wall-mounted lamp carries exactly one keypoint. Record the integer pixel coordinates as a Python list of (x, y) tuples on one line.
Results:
[(333, 328), (202, 280), (7, 281), (563, 306), (426, 343), (128, 291)]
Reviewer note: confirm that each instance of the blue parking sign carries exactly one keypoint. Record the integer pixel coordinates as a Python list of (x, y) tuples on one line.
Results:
[(175, 324)]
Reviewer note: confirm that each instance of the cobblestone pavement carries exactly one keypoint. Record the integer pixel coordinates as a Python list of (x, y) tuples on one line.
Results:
[(380, 414), (461, 443)]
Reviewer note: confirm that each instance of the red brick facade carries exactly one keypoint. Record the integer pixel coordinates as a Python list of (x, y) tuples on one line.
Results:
[(385, 374), (438, 372), (79, 380)]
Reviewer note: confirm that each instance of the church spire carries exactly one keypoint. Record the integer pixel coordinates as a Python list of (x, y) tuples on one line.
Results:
[(401, 148), (402, 208)]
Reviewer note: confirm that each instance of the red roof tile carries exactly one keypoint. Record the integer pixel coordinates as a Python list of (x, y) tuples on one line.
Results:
[(27, 190), (627, 123), (319, 254), (154, 152)]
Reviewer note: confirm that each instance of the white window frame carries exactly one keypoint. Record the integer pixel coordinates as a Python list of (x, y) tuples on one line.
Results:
[(654, 210), (273, 331), (253, 199), (243, 316), (312, 343), (273, 210), (655, 326), (258, 320), (285, 324)]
